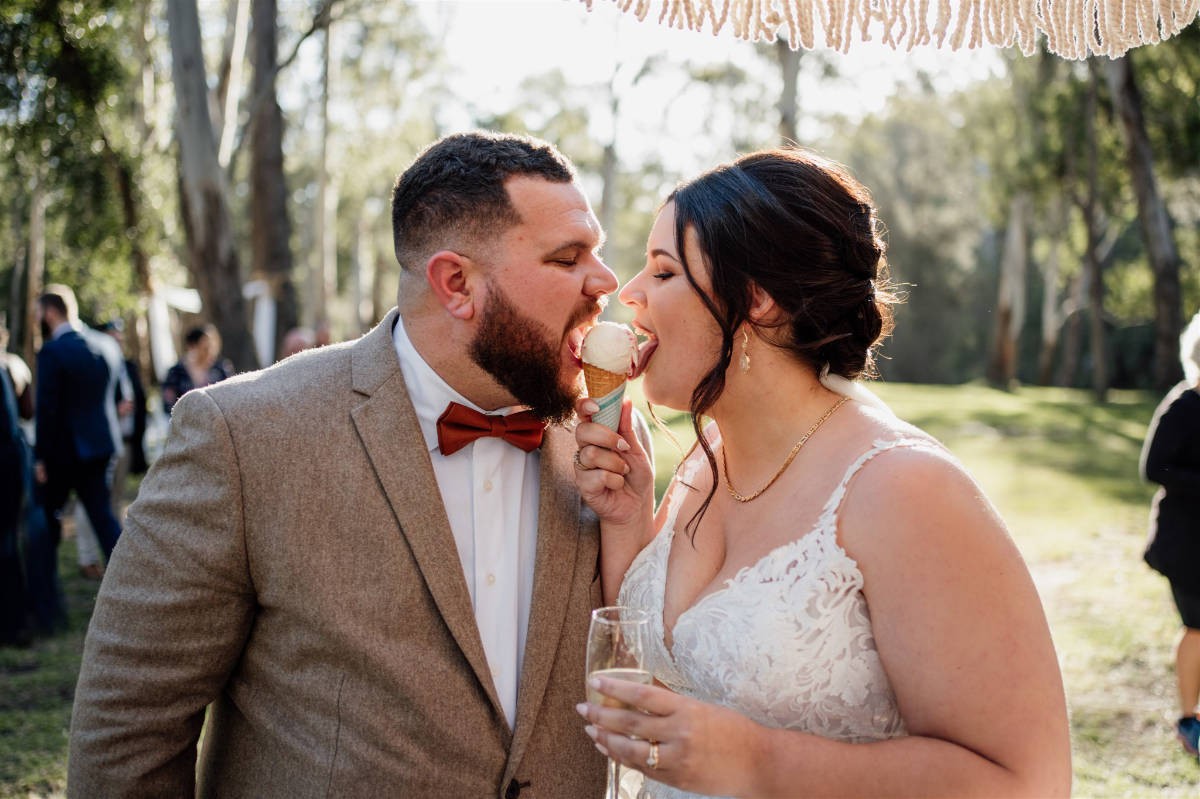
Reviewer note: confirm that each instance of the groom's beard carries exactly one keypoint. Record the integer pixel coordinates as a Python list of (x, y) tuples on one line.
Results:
[(519, 353)]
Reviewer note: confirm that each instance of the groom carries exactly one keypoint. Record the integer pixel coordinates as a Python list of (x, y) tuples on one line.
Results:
[(370, 561)]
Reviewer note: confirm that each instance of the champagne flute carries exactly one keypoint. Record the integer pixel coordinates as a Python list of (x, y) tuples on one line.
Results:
[(617, 649)]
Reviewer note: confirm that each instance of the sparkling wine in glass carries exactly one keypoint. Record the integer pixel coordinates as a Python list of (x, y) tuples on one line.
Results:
[(617, 648)]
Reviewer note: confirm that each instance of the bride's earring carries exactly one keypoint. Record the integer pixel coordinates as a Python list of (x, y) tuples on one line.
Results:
[(744, 360)]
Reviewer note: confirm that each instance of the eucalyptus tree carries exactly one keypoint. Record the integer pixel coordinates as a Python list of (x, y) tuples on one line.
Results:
[(1155, 222), (386, 92), (270, 220), (927, 180), (60, 70), (204, 204)]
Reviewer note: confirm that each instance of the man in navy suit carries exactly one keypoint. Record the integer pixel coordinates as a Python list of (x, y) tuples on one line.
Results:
[(74, 431)]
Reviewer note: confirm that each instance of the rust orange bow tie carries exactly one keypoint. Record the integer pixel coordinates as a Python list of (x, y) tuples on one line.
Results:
[(460, 425)]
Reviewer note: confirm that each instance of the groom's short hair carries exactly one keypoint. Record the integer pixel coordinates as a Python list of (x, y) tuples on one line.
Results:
[(454, 190)]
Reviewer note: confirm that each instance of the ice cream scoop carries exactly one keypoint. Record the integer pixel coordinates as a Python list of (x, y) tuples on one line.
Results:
[(607, 354), (609, 346)]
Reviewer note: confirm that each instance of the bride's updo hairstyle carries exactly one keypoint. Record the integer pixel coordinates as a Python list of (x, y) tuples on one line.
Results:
[(804, 231)]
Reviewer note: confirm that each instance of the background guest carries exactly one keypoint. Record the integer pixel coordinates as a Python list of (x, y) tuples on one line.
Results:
[(13, 461), (133, 425), (296, 340), (74, 439), (199, 366), (1171, 458), (19, 375)]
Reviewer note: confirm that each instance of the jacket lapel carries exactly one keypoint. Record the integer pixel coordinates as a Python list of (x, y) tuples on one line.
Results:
[(388, 427), (559, 507)]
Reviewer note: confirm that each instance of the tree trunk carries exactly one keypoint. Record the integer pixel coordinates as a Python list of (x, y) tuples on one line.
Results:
[(1010, 301), (789, 65), (129, 179), (1091, 254), (36, 271), (126, 181), (1154, 220), (212, 258), (123, 174), (1052, 309), (270, 225), (229, 80), (148, 95), (378, 305), (1072, 350), (322, 283), (18, 328), (364, 260)]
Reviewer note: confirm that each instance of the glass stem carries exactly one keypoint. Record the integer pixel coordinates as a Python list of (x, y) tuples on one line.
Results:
[(614, 779)]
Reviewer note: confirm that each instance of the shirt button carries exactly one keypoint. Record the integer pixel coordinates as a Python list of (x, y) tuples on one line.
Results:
[(487, 485), (491, 579)]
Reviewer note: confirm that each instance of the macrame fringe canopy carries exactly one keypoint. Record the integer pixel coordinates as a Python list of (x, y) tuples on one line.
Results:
[(1073, 29)]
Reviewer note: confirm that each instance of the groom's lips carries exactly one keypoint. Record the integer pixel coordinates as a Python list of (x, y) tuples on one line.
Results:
[(575, 337)]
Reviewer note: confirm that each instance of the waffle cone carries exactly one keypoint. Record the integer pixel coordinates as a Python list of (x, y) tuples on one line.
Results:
[(601, 381)]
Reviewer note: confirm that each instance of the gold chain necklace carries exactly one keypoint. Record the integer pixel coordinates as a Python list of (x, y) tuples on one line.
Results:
[(791, 456)]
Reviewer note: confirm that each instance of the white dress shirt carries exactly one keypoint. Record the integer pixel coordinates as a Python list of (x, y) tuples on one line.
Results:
[(490, 492)]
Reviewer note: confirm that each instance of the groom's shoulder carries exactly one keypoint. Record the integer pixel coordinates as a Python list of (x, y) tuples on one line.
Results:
[(317, 378)]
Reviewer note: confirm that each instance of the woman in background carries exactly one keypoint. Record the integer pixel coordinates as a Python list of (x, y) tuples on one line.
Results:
[(1171, 458), (199, 366)]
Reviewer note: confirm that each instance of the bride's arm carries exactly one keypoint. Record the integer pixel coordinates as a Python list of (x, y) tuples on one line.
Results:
[(962, 636), (615, 475)]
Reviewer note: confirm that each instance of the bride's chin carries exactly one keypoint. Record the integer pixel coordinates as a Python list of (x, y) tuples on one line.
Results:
[(655, 396)]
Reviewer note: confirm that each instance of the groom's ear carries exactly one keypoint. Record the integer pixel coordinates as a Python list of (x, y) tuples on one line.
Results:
[(447, 273), (763, 310)]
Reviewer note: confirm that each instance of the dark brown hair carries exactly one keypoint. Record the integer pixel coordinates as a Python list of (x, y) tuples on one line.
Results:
[(804, 231), (456, 188)]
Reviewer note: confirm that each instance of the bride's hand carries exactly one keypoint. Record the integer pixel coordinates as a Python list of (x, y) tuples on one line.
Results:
[(701, 747), (613, 471)]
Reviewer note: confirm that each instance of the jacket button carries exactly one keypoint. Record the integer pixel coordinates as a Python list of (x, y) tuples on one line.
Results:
[(514, 789)]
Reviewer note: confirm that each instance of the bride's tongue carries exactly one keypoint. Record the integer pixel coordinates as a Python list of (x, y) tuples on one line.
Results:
[(644, 351)]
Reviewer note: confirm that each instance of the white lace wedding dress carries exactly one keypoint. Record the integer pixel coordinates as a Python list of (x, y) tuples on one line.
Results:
[(787, 641)]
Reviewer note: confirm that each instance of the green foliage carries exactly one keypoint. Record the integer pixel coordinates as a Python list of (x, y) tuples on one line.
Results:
[(928, 184), (384, 97), (61, 68), (1169, 79)]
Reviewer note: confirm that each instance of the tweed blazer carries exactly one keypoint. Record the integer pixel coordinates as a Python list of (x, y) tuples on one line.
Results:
[(289, 565)]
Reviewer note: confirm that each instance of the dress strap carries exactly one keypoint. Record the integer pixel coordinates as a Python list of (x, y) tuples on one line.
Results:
[(834, 503)]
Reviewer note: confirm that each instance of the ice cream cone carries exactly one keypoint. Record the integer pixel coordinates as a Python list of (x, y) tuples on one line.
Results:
[(601, 381), (607, 356), (608, 390)]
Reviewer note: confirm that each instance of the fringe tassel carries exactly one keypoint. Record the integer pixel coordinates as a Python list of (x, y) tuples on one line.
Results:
[(1073, 29)]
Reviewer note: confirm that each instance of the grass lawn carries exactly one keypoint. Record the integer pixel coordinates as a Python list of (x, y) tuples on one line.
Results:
[(1063, 473), (37, 686)]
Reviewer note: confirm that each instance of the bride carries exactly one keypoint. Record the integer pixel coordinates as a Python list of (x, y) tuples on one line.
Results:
[(836, 609)]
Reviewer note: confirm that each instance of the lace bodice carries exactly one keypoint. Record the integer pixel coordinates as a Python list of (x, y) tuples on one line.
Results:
[(787, 641)]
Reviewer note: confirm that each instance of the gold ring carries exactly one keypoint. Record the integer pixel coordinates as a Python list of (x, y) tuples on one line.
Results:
[(652, 758), (579, 463)]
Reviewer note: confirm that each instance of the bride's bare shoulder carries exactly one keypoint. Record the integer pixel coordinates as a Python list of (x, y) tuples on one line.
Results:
[(914, 488), (876, 425)]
